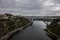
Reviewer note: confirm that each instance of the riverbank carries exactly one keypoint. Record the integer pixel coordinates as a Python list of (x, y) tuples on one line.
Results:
[(7, 36), (34, 32), (53, 30), (10, 24), (52, 35)]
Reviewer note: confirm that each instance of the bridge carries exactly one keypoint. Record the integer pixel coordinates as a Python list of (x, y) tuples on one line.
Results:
[(45, 19)]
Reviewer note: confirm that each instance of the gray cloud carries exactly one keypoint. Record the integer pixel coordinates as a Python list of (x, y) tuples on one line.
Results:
[(30, 7)]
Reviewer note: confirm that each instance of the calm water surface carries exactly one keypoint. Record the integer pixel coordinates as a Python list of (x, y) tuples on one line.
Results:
[(34, 32)]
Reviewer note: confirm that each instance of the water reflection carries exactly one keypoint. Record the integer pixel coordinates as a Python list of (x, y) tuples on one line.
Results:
[(40, 24), (34, 32)]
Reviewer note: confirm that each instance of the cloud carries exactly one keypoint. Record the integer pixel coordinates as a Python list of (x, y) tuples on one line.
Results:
[(56, 8), (18, 0), (48, 2), (30, 7)]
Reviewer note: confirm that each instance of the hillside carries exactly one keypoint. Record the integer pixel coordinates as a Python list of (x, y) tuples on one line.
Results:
[(54, 29), (9, 22)]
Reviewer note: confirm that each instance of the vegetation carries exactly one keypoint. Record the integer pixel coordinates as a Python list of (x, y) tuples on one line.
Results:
[(54, 27), (9, 22)]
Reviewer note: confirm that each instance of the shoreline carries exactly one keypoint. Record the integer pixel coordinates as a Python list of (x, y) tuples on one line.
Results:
[(52, 35), (7, 36)]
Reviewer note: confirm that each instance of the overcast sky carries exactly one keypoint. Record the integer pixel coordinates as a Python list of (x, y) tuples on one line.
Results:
[(30, 7)]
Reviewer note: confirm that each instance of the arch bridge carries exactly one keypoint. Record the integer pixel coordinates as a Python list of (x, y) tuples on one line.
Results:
[(45, 19)]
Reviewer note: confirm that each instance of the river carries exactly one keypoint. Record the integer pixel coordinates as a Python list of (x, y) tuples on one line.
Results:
[(34, 32)]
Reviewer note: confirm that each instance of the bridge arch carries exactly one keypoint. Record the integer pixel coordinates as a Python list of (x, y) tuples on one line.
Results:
[(46, 22)]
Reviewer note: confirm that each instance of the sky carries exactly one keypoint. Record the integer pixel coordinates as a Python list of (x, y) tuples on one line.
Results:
[(31, 7)]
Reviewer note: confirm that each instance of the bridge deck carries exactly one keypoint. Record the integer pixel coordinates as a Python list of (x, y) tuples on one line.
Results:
[(43, 18)]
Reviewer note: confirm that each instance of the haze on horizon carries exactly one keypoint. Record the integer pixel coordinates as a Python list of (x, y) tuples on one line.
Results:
[(31, 7)]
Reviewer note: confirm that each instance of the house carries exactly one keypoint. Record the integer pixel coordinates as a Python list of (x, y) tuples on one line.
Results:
[(2, 16)]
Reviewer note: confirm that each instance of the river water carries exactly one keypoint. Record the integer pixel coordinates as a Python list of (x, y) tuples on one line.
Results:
[(34, 32)]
